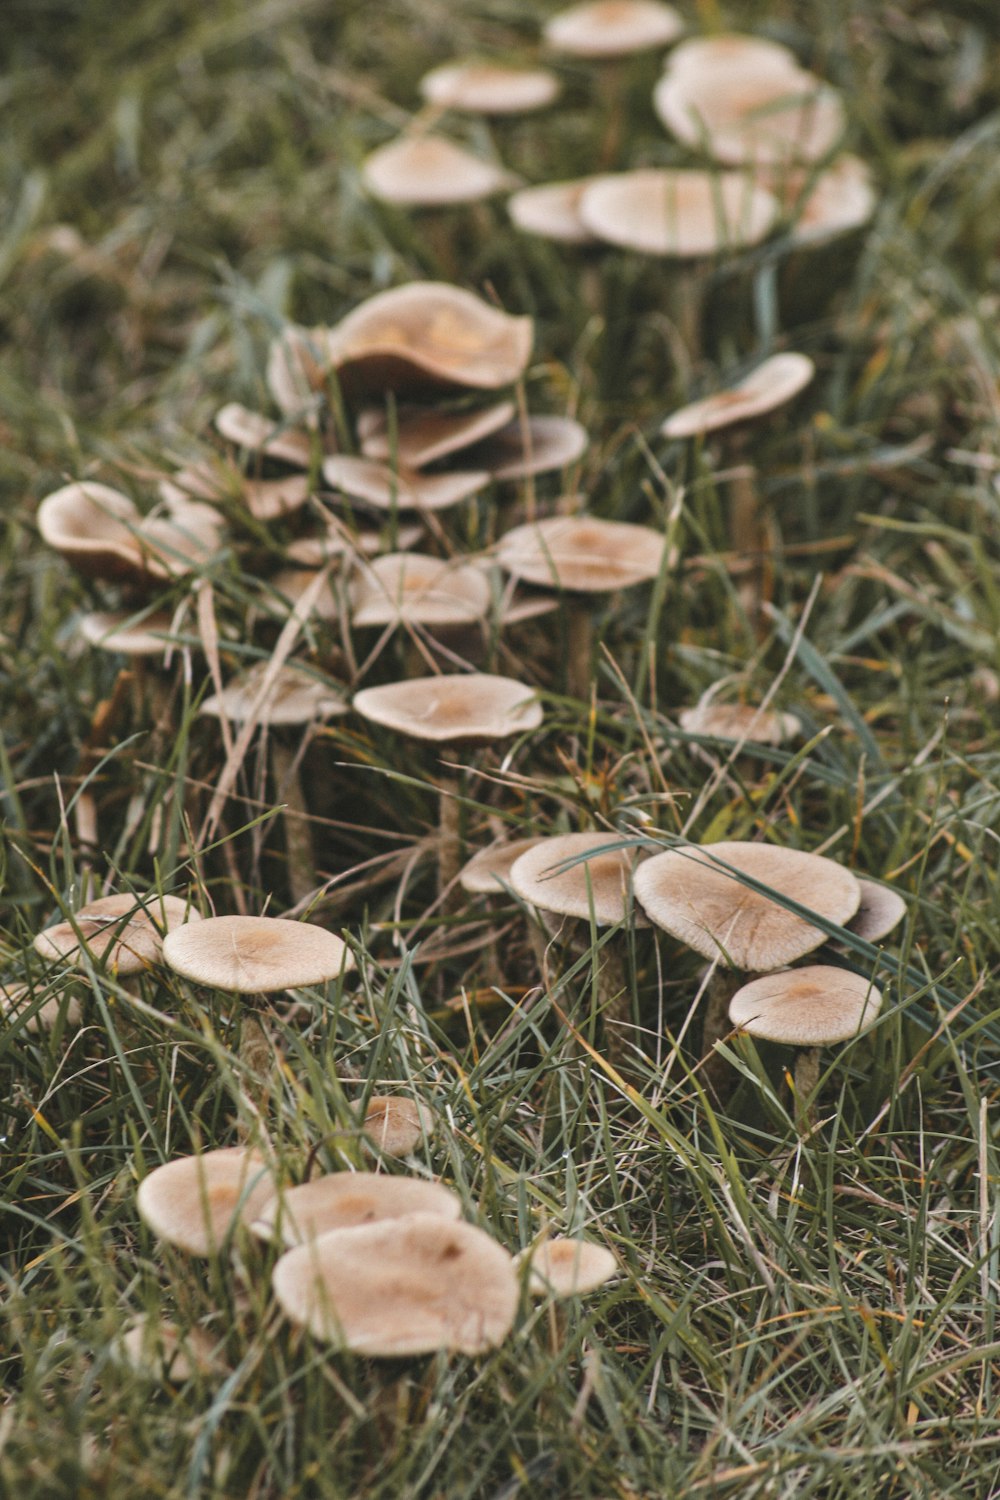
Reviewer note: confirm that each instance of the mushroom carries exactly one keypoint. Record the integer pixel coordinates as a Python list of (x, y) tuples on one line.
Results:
[(123, 932), (822, 205), (197, 1202), (565, 1267), (61, 1009), (159, 1349), (103, 535), (343, 1200), (417, 435), (408, 588), (397, 1124), (255, 433), (552, 210), (600, 29), (739, 722), (429, 171), (387, 488), (881, 911), (530, 445), (487, 88)]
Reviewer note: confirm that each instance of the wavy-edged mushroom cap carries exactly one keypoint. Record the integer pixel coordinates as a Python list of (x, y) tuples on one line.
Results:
[(446, 709), (196, 1202), (429, 171), (297, 696), (256, 955), (423, 436), (612, 28), (535, 445), (103, 535), (16, 997), (565, 1267), (125, 931), (488, 872), (386, 488), (426, 335), (409, 587), (822, 205), (880, 912), (160, 1350), (121, 631), (771, 385), (810, 1007), (684, 214), (552, 210), (255, 433), (343, 1200), (603, 879), (397, 1124), (582, 553), (485, 88), (401, 1287), (739, 721), (692, 894)]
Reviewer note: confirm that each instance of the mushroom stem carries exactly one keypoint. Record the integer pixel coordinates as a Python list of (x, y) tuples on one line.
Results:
[(685, 300), (745, 533), (449, 840), (615, 1003), (715, 1071), (302, 880), (805, 1082), (256, 1056), (579, 648)]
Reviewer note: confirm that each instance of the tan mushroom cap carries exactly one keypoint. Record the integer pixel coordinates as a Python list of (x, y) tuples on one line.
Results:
[(771, 385), (810, 1007), (257, 955), (103, 535), (429, 334), (120, 630), (603, 879), (423, 436), (160, 1350), (690, 894), (534, 445), (125, 932), (485, 88), (839, 199), (289, 585), (739, 721), (449, 708), (881, 910), (196, 1202), (564, 1267), (409, 587), (552, 210), (684, 214), (385, 488), (401, 1287), (15, 998), (340, 540), (259, 434), (397, 1124), (488, 872), (428, 171), (612, 28), (343, 1200), (297, 696), (582, 553)]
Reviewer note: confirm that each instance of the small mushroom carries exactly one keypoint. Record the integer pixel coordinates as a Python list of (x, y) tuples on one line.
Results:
[(159, 1349), (124, 932), (881, 911), (485, 88), (429, 171), (396, 1124), (408, 588), (565, 1267), (599, 29), (386, 488), (419, 436), (197, 1202), (343, 1200)]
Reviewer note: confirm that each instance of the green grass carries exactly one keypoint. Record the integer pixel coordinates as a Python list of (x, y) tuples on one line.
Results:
[(794, 1318)]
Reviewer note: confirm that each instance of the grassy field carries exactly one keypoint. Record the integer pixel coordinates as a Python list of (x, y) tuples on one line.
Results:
[(799, 1313)]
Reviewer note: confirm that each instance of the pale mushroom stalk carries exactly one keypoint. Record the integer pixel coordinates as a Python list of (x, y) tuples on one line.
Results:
[(579, 646), (746, 535), (299, 850)]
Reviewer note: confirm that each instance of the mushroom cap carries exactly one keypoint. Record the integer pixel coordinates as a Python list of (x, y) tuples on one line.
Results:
[(287, 588), (426, 335), (120, 630), (840, 198), (684, 214), (564, 1267), (690, 894), (770, 116), (386, 488), (612, 28), (739, 721), (196, 1202), (257, 955), (103, 535), (259, 434), (339, 539), (297, 696), (428, 171), (881, 910), (582, 553), (486, 88), (772, 384), (343, 1200), (157, 1348), (424, 436), (732, 52), (604, 878), (448, 708), (488, 872), (297, 368), (533, 445), (552, 210), (401, 1287), (16, 997), (402, 587), (125, 931), (809, 1007), (397, 1124)]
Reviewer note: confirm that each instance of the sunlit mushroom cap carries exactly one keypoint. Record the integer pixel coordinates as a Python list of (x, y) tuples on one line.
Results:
[(343, 1200), (564, 1267), (449, 708), (257, 955), (771, 385), (485, 88), (839, 199), (122, 631), (160, 1350), (401, 1287), (386, 488), (259, 434), (809, 1007), (582, 553), (881, 910), (693, 895), (15, 998), (196, 1202), (427, 335), (612, 28), (408, 587), (488, 872), (125, 932), (544, 877), (397, 1124), (739, 721), (552, 210), (424, 436), (428, 171), (531, 445), (297, 696), (103, 535), (679, 213)]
